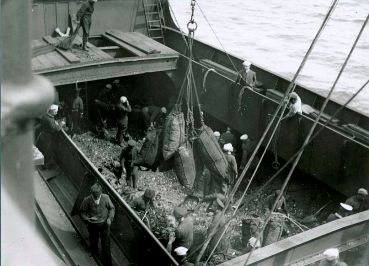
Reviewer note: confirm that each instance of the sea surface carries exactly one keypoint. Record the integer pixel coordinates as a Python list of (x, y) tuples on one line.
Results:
[(275, 35)]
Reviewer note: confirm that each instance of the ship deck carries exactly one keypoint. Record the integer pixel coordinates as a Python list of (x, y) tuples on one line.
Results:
[(112, 54)]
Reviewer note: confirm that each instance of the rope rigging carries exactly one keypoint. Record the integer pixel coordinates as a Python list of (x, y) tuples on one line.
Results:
[(283, 103), (310, 133)]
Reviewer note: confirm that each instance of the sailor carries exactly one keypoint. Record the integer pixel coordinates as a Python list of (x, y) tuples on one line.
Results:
[(245, 150), (222, 248), (145, 201), (127, 159), (217, 135), (295, 106), (227, 137), (97, 211), (343, 211), (360, 201), (76, 113), (248, 75), (48, 122), (331, 258), (232, 164), (180, 254), (121, 111), (183, 235), (84, 15)]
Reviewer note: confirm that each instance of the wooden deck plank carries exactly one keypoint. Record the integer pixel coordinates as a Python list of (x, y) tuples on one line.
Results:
[(36, 63), (68, 55), (124, 45), (141, 42), (55, 59), (92, 48)]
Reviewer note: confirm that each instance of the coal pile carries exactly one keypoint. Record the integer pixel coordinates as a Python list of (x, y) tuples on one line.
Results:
[(302, 200)]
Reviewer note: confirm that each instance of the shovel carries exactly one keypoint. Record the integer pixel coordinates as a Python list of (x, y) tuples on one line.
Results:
[(67, 42), (312, 218)]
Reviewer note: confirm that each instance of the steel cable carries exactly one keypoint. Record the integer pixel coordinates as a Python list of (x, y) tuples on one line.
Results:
[(310, 134), (282, 103)]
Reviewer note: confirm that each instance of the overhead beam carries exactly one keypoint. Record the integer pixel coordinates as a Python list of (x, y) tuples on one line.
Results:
[(109, 69)]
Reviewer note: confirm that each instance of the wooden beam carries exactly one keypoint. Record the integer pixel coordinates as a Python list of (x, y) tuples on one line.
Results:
[(68, 55)]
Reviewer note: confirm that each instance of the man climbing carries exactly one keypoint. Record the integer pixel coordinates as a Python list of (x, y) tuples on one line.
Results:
[(84, 15), (295, 106)]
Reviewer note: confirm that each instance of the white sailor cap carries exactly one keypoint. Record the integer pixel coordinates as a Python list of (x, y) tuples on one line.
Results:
[(163, 110), (346, 206), (181, 251), (294, 95), (53, 107), (228, 147), (246, 63), (254, 243), (123, 99), (362, 191), (216, 134), (331, 254), (244, 137)]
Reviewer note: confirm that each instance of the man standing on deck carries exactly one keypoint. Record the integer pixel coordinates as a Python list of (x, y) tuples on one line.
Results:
[(84, 15), (97, 211)]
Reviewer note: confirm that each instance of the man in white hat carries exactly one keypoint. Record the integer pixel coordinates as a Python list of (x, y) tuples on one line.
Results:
[(360, 201), (217, 135), (183, 235), (180, 254), (121, 110), (331, 257), (245, 150), (248, 75), (295, 106), (344, 210), (232, 164)]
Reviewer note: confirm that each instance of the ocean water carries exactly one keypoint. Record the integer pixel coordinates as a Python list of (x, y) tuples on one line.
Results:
[(276, 34)]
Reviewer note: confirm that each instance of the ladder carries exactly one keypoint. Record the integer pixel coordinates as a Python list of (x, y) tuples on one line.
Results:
[(154, 19)]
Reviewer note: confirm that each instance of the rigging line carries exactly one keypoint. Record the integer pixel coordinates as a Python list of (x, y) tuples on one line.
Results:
[(216, 36), (286, 96), (311, 132), (304, 146)]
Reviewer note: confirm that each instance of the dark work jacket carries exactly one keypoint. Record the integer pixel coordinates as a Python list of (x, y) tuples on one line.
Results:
[(184, 234), (86, 10), (358, 205), (121, 111), (49, 125), (103, 211)]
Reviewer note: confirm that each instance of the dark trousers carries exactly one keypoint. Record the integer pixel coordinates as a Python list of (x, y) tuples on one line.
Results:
[(86, 25), (101, 231), (131, 174), (122, 129), (76, 122)]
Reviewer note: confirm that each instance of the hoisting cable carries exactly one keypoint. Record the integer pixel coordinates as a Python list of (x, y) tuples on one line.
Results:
[(216, 36), (311, 139), (282, 103), (309, 135), (270, 180)]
